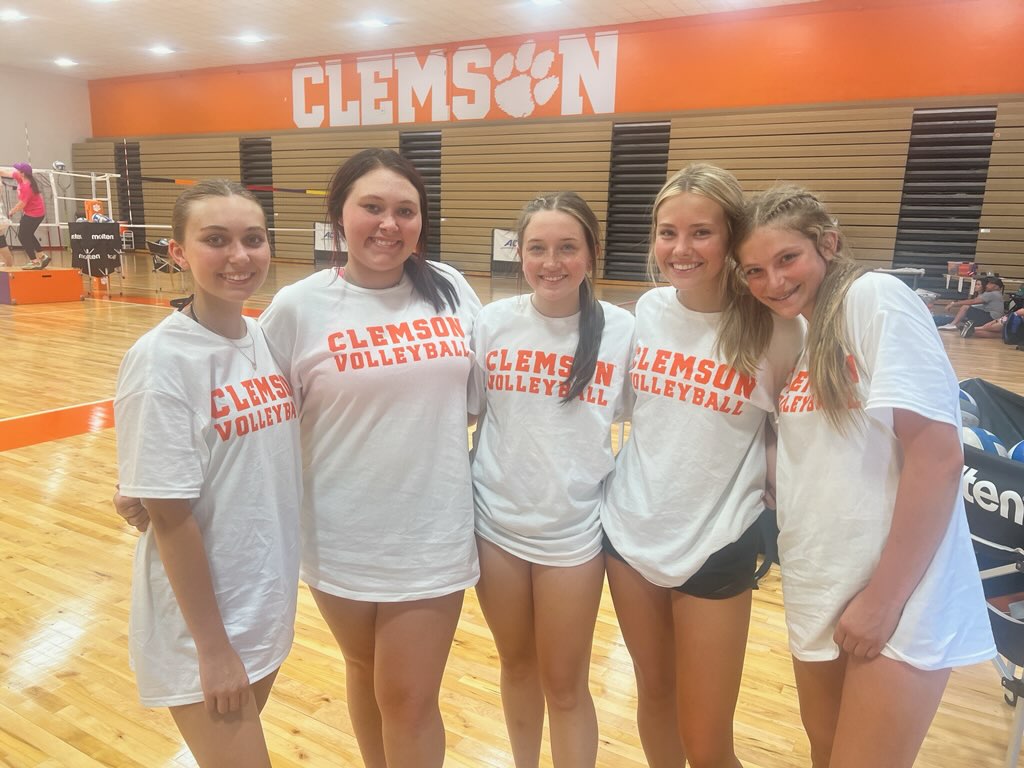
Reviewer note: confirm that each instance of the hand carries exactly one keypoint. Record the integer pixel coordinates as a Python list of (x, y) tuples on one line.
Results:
[(224, 680), (768, 497), (131, 510), (866, 624)]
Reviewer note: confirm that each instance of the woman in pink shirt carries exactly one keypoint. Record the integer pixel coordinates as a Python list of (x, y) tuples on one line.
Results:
[(30, 203)]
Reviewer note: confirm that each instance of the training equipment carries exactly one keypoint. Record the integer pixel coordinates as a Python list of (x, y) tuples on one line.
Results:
[(983, 440), (40, 286)]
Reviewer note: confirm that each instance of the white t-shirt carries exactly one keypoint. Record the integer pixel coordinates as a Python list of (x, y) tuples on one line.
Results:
[(690, 478), (196, 421), (538, 465), (381, 377), (836, 494)]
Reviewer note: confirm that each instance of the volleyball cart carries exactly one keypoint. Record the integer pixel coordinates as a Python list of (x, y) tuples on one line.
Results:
[(993, 489)]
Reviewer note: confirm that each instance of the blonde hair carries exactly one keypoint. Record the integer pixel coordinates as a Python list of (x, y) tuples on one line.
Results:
[(828, 342), (710, 181), (745, 320)]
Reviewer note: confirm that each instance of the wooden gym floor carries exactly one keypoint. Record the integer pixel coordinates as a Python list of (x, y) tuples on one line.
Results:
[(67, 697)]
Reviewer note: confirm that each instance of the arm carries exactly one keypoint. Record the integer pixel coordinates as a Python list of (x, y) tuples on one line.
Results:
[(17, 208), (224, 680), (7, 171), (928, 486)]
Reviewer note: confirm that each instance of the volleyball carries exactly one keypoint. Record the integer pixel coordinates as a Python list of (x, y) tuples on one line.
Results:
[(965, 397), (983, 440), (1017, 452)]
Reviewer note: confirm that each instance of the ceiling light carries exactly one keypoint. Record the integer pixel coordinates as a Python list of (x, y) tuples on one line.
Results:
[(12, 15), (161, 50), (546, 2), (251, 38), (373, 23), (65, 62)]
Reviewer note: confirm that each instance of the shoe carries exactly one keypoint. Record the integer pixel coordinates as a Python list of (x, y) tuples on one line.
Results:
[(33, 265), (948, 327), (967, 330), (44, 262)]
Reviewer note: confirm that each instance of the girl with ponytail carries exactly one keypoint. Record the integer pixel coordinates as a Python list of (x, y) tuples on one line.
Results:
[(882, 593), (551, 367)]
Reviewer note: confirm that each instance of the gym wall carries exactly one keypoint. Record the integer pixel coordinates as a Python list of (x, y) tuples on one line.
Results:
[(822, 94)]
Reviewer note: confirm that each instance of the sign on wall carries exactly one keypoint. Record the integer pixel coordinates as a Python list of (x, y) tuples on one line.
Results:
[(573, 75), (504, 256)]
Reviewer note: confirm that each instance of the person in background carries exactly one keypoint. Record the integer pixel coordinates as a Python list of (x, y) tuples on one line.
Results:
[(33, 210), (979, 310)]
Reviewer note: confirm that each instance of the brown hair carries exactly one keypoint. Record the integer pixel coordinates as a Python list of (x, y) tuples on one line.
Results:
[(591, 313), (427, 281)]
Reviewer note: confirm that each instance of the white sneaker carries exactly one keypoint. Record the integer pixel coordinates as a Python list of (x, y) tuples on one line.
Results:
[(948, 327)]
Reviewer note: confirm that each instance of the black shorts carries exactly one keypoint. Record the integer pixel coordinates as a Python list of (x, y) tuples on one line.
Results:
[(3, 240), (978, 316), (726, 573)]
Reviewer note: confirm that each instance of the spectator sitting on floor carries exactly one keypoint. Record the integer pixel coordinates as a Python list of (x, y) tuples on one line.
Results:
[(978, 310), (992, 329)]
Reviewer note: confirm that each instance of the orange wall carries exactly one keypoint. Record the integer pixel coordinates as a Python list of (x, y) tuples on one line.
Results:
[(830, 51)]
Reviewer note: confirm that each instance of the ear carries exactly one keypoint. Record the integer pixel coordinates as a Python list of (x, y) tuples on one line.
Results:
[(177, 253), (829, 244)]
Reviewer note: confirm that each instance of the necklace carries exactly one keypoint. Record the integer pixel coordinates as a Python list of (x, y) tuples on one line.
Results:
[(241, 350)]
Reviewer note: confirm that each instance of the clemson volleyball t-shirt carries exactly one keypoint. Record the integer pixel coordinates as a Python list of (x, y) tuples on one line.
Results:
[(381, 377), (196, 420), (538, 465), (836, 493), (690, 478)]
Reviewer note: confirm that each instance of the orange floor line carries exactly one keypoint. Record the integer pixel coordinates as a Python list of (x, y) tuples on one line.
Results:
[(42, 427)]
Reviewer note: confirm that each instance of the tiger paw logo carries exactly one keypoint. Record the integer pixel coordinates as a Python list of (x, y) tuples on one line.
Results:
[(524, 80)]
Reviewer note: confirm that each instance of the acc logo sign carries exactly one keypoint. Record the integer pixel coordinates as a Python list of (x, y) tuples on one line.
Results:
[(470, 83)]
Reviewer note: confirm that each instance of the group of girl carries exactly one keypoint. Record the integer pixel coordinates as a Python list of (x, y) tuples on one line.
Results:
[(766, 341)]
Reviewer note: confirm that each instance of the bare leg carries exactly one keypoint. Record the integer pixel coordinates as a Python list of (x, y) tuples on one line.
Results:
[(645, 618), (353, 624), (505, 592), (711, 642), (227, 741), (886, 710), (819, 685), (566, 601), (413, 642)]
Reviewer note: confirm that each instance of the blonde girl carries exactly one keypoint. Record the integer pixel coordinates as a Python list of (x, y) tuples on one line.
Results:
[(882, 593), (553, 369), (681, 507)]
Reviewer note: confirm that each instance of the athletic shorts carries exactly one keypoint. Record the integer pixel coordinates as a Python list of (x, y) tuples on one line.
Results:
[(726, 573), (978, 316)]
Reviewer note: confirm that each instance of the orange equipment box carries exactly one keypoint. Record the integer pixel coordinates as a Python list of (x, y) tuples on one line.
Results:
[(40, 286)]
